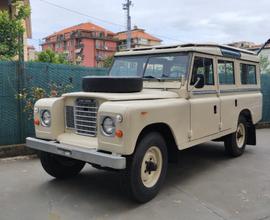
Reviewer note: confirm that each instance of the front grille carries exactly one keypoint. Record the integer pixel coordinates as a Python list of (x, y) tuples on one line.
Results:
[(84, 117)]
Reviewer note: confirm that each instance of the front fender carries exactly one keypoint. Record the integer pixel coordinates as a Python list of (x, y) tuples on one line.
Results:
[(138, 115)]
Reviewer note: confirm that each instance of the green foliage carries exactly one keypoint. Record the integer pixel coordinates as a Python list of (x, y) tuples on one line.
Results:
[(49, 56), (31, 95), (11, 28), (264, 64), (107, 62)]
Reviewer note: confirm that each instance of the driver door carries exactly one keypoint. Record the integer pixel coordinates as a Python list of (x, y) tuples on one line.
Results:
[(204, 102)]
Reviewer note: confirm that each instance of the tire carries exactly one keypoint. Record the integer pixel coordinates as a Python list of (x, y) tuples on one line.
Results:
[(142, 183), (112, 84), (235, 143), (60, 167)]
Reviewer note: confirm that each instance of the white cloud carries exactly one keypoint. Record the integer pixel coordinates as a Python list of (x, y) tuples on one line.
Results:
[(219, 21)]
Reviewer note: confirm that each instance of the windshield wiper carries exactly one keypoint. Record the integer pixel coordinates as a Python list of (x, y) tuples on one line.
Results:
[(152, 77)]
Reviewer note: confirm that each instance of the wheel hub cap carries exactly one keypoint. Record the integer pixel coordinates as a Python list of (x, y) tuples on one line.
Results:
[(240, 135), (151, 166)]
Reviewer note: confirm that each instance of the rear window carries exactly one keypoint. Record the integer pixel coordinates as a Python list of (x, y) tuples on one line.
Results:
[(248, 74)]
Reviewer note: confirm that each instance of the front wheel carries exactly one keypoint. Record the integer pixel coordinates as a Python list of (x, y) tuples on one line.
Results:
[(147, 168), (60, 167), (235, 143)]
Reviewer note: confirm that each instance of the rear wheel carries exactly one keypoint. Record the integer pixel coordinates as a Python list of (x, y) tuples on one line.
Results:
[(235, 143), (147, 168), (60, 167)]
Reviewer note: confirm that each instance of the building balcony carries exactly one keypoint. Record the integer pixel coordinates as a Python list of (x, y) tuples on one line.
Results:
[(79, 46), (91, 35), (105, 48)]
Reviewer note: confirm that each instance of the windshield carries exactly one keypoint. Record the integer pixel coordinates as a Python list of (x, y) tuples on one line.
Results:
[(162, 66)]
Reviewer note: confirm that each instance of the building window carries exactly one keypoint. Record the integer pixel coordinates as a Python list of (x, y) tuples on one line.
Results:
[(65, 45), (226, 72), (101, 35), (58, 45), (203, 66), (72, 43), (248, 74)]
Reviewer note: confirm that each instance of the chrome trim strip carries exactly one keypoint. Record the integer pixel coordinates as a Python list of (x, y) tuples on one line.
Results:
[(84, 154), (204, 92), (240, 90)]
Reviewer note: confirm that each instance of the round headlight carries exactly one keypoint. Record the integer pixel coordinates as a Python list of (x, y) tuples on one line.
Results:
[(108, 126), (46, 118)]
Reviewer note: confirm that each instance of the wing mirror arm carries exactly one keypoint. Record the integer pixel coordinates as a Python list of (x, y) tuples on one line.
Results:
[(198, 84)]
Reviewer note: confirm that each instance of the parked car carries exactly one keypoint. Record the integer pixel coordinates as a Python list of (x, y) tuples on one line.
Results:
[(155, 101)]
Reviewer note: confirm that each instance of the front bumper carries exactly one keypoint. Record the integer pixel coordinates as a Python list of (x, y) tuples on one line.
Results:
[(91, 156)]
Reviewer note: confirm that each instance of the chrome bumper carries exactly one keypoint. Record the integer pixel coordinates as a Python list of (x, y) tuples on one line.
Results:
[(88, 155)]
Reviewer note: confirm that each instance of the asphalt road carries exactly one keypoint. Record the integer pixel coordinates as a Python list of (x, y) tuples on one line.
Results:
[(204, 185)]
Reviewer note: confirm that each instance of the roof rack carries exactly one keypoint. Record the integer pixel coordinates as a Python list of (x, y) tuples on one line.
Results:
[(163, 47)]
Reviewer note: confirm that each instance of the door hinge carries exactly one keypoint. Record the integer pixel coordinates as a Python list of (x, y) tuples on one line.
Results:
[(190, 134), (220, 125)]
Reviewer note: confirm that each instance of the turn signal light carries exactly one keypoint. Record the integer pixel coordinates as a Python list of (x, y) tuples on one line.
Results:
[(36, 122), (119, 133)]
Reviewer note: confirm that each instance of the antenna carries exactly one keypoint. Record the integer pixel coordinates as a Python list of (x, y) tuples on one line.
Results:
[(126, 7), (263, 46)]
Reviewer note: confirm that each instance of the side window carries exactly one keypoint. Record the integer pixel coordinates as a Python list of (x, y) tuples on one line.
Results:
[(226, 72), (203, 66), (248, 74)]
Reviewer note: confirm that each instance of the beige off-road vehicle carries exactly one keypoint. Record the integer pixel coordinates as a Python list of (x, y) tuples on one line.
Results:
[(155, 101)]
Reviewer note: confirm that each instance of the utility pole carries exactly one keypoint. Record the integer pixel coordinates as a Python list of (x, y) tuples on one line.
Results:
[(10, 8), (126, 7)]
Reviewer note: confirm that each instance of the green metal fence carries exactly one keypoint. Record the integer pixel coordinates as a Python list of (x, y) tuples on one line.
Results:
[(265, 83), (14, 123)]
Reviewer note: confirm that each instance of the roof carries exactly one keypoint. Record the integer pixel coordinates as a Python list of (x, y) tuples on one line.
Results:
[(214, 49), (83, 27), (137, 33)]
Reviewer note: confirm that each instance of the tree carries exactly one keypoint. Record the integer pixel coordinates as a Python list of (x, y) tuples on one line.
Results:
[(11, 30), (108, 61), (49, 56), (264, 64), (30, 95)]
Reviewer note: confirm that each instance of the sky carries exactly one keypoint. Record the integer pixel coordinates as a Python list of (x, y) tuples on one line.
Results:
[(173, 21)]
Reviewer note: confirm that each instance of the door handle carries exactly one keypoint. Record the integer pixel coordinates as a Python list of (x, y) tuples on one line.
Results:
[(235, 102), (215, 109)]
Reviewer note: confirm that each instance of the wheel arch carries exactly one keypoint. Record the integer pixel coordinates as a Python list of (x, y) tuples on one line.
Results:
[(168, 135), (247, 114)]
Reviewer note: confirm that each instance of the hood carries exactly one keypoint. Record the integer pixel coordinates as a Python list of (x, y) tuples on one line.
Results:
[(144, 94)]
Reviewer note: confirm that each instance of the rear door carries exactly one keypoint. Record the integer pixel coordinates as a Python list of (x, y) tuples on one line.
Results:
[(226, 69)]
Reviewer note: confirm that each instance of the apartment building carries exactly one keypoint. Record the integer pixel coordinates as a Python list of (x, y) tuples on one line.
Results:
[(85, 44), (139, 38)]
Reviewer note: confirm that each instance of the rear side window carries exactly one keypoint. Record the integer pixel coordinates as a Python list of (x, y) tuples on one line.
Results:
[(226, 72), (248, 74), (203, 66)]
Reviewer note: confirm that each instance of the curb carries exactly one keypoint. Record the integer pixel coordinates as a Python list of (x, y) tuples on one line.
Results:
[(15, 150), (263, 125)]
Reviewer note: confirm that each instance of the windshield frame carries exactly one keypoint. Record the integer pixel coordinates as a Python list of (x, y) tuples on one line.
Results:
[(151, 55)]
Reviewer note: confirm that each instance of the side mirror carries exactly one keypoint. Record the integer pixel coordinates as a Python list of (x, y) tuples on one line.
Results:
[(200, 81)]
